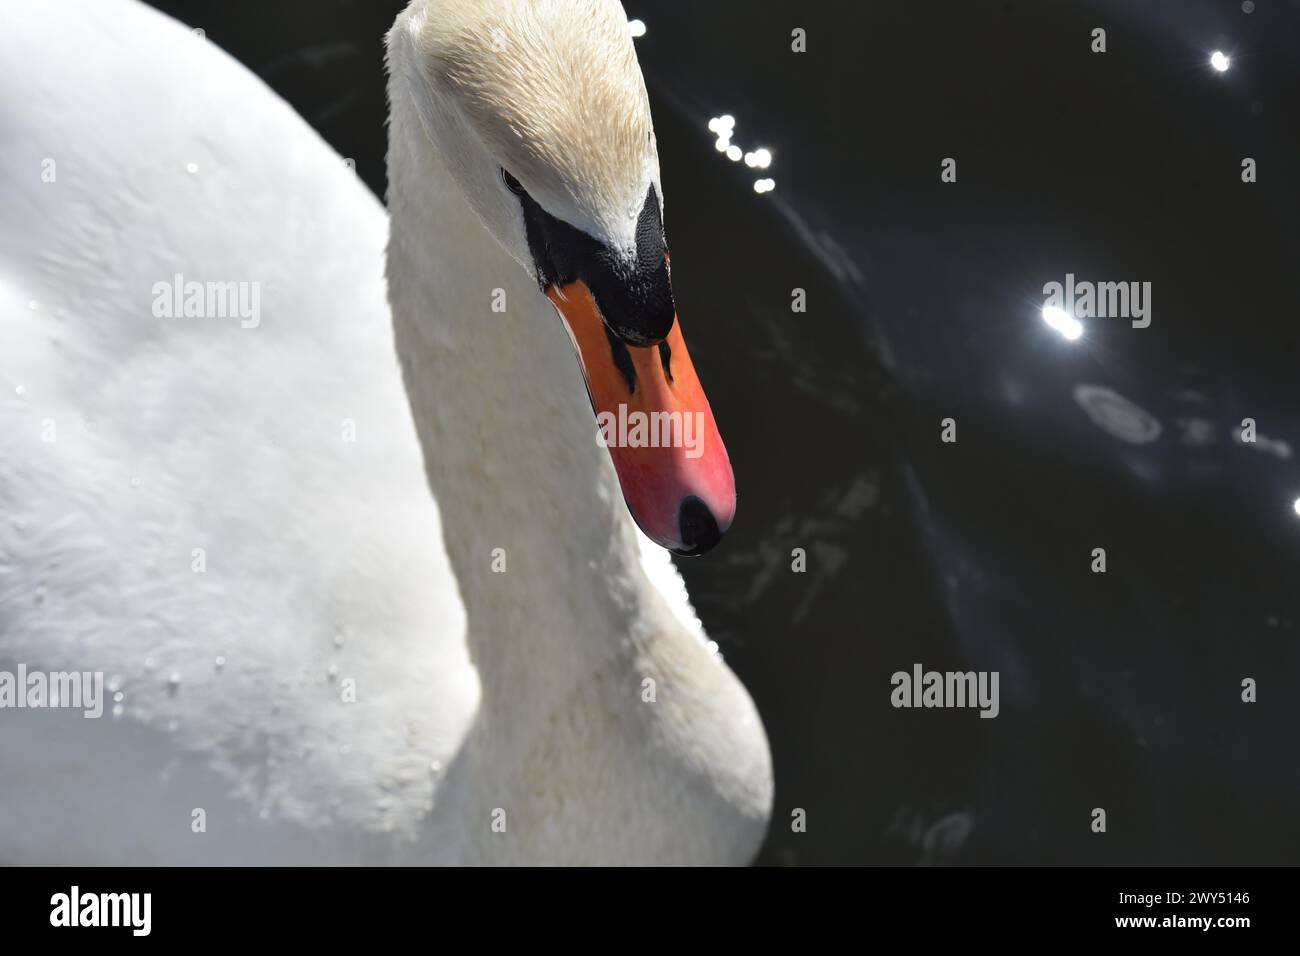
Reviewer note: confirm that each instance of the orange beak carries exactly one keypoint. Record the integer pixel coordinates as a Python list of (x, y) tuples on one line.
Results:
[(654, 418)]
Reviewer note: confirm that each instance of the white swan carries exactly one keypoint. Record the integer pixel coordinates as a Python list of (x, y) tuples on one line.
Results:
[(233, 523)]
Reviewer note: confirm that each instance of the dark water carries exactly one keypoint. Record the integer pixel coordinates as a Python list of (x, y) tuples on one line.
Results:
[(1119, 690)]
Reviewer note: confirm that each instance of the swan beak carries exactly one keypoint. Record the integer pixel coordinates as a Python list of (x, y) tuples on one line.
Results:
[(654, 418)]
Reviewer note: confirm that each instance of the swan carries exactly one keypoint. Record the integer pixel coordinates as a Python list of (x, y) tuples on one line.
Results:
[(361, 581)]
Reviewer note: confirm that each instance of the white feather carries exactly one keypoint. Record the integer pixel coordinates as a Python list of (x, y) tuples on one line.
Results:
[(325, 559)]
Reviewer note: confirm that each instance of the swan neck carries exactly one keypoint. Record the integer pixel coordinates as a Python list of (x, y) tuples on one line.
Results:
[(535, 526)]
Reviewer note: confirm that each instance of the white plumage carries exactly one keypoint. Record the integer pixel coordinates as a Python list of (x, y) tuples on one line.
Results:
[(135, 448)]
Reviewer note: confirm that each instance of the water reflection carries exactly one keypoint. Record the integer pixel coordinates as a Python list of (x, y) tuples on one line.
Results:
[(1060, 320), (724, 127), (1116, 415)]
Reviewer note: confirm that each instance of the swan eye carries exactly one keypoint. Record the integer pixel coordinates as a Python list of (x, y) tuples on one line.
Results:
[(512, 184)]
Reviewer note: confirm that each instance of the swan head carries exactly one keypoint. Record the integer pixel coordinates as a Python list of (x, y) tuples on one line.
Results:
[(539, 111)]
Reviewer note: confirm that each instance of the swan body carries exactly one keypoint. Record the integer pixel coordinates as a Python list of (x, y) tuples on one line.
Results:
[(234, 524)]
